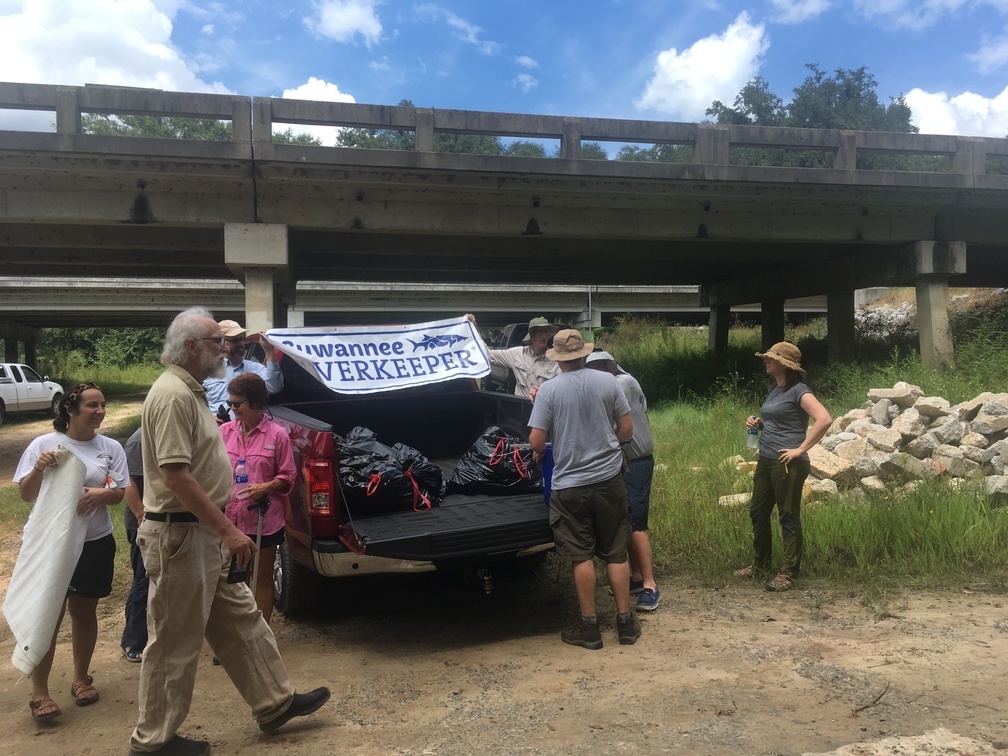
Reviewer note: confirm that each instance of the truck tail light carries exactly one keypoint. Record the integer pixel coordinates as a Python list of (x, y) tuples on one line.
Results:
[(318, 478)]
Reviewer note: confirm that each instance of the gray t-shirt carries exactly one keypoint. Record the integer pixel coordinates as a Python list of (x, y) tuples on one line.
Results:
[(578, 412), (642, 442), (785, 423), (134, 461)]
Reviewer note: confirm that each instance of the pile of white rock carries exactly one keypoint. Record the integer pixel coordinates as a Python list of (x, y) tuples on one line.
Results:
[(900, 436)]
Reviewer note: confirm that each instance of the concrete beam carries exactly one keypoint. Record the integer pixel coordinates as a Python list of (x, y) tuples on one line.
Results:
[(933, 322)]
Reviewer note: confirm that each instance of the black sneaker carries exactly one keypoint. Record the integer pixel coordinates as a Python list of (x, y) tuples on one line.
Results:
[(628, 629), (179, 746), (583, 634), (302, 705)]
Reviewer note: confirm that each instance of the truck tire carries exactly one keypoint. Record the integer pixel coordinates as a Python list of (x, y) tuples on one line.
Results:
[(296, 586), (54, 406)]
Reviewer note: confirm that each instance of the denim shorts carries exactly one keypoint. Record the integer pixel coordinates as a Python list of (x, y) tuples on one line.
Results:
[(638, 491)]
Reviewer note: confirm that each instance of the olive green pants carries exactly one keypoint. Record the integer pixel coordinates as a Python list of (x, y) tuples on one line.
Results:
[(775, 484)]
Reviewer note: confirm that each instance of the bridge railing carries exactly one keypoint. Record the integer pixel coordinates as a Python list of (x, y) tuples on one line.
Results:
[(975, 162), (69, 104)]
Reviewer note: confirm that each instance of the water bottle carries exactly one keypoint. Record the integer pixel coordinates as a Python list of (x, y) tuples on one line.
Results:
[(241, 477), (752, 435)]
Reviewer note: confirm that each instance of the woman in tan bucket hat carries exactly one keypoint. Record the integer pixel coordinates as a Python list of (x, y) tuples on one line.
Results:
[(783, 462)]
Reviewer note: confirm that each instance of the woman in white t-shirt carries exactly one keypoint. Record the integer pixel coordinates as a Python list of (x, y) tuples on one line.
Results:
[(80, 415)]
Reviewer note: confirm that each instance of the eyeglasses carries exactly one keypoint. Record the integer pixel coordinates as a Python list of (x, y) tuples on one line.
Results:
[(219, 341), (236, 405)]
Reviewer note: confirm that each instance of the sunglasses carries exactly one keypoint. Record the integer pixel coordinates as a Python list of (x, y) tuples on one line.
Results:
[(236, 405)]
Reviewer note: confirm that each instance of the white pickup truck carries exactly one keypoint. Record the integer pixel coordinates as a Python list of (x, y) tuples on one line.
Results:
[(24, 390)]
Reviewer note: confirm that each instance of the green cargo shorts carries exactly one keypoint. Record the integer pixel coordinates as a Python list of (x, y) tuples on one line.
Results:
[(591, 520)]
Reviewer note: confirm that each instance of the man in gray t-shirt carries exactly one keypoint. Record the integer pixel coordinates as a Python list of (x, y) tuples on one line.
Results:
[(587, 417)]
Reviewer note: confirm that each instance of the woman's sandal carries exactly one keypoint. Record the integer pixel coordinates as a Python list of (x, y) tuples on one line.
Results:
[(780, 583), (84, 692), (746, 572), (44, 708), (132, 655)]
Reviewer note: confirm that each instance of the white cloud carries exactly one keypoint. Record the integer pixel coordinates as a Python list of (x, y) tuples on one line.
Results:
[(526, 62), (342, 20), (797, 11), (967, 113), (713, 68), (913, 14), (318, 90), (463, 30), (207, 29), (75, 42), (992, 55), (526, 82)]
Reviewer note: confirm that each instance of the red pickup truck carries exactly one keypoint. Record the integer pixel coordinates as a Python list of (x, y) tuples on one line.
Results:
[(326, 539)]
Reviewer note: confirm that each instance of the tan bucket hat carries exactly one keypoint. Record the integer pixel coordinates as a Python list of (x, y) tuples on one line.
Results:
[(569, 345), (786, 353)]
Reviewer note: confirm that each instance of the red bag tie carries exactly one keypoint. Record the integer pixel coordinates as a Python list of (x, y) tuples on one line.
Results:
[(520, 465), (373, 482), (498, 453), (420, 502)]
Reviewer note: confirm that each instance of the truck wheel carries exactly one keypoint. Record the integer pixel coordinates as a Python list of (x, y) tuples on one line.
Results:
[(295, 585), (54, 407)]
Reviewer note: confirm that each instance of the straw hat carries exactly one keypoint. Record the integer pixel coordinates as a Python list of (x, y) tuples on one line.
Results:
[(569, 345), (787, 354)]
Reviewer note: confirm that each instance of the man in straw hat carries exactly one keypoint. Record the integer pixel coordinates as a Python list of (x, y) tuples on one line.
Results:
[(235, 337), (587, 417), (529, 363)]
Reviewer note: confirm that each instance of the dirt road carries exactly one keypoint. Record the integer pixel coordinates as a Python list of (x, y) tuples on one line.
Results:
[(427, 664)]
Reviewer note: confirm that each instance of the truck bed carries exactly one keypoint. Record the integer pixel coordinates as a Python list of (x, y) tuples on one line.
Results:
[(462, 526)]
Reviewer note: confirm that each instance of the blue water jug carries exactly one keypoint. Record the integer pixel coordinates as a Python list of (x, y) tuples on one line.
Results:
[(547, 471)]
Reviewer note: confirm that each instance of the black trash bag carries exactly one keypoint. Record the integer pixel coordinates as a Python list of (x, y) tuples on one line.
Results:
[(496, 464), (426, 478), (375, 480)]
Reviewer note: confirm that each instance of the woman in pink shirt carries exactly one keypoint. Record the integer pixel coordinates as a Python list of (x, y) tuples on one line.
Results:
[(269, 459)]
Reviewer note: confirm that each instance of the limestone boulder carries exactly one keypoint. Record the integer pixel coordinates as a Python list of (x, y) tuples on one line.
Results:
[(825, 464), (989, 424), (973, 453), (869, 464), (949, 431), (841, 423), (853, 448), (969, 409), (902, 394), (880, 412), (900, 468), (932, 407), (997, 489), (830, 443), (974, 439), (873, 485), (822, 489), (734, 500), (923, 446), (909, 425), (886, 439)]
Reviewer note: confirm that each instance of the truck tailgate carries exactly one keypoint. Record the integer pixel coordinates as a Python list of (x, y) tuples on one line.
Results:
[(462, 526)]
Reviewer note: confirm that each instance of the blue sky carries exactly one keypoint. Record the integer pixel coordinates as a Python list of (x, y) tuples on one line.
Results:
[(650, 59)]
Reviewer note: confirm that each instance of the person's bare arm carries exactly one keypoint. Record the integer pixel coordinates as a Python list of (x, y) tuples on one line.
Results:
[(133, 500), (537, 440), (179, 480), (624, 428)]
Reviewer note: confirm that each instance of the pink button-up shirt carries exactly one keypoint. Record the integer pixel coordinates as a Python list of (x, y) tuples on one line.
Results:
[(268, 456)]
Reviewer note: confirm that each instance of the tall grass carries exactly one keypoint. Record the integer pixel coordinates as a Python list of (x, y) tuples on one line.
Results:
[(114, 381)]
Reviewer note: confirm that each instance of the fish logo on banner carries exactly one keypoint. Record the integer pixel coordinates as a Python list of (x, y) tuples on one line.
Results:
[(368, 359)]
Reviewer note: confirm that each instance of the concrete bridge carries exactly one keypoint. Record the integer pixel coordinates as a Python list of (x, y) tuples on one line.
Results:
[(270, 215)]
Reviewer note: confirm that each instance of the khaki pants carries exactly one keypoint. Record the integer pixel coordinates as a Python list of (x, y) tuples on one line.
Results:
[(190, 599)]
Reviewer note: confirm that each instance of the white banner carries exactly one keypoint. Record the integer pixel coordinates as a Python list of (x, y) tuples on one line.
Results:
[(367, 359)]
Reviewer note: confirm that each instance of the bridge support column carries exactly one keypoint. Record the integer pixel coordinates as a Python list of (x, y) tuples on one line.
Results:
[(935, 261), (10, 349), (588, 321), (840, 325), (257, 254), (30, 354), (773, 322), (295, 317), (717, 328)]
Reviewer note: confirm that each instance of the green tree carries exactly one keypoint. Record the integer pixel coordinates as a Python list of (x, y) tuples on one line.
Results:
[(755, 105), (656, 153), (593, 151), (525, 149), (287, 136), (162, 127)]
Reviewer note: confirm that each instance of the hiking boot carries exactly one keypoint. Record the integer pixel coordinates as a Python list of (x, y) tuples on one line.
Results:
[(584, 634), (302, 705), (179, 746), (647, 600), (628, 629)]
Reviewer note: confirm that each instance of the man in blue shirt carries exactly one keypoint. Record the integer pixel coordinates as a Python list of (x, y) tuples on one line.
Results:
[(234, 336)]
